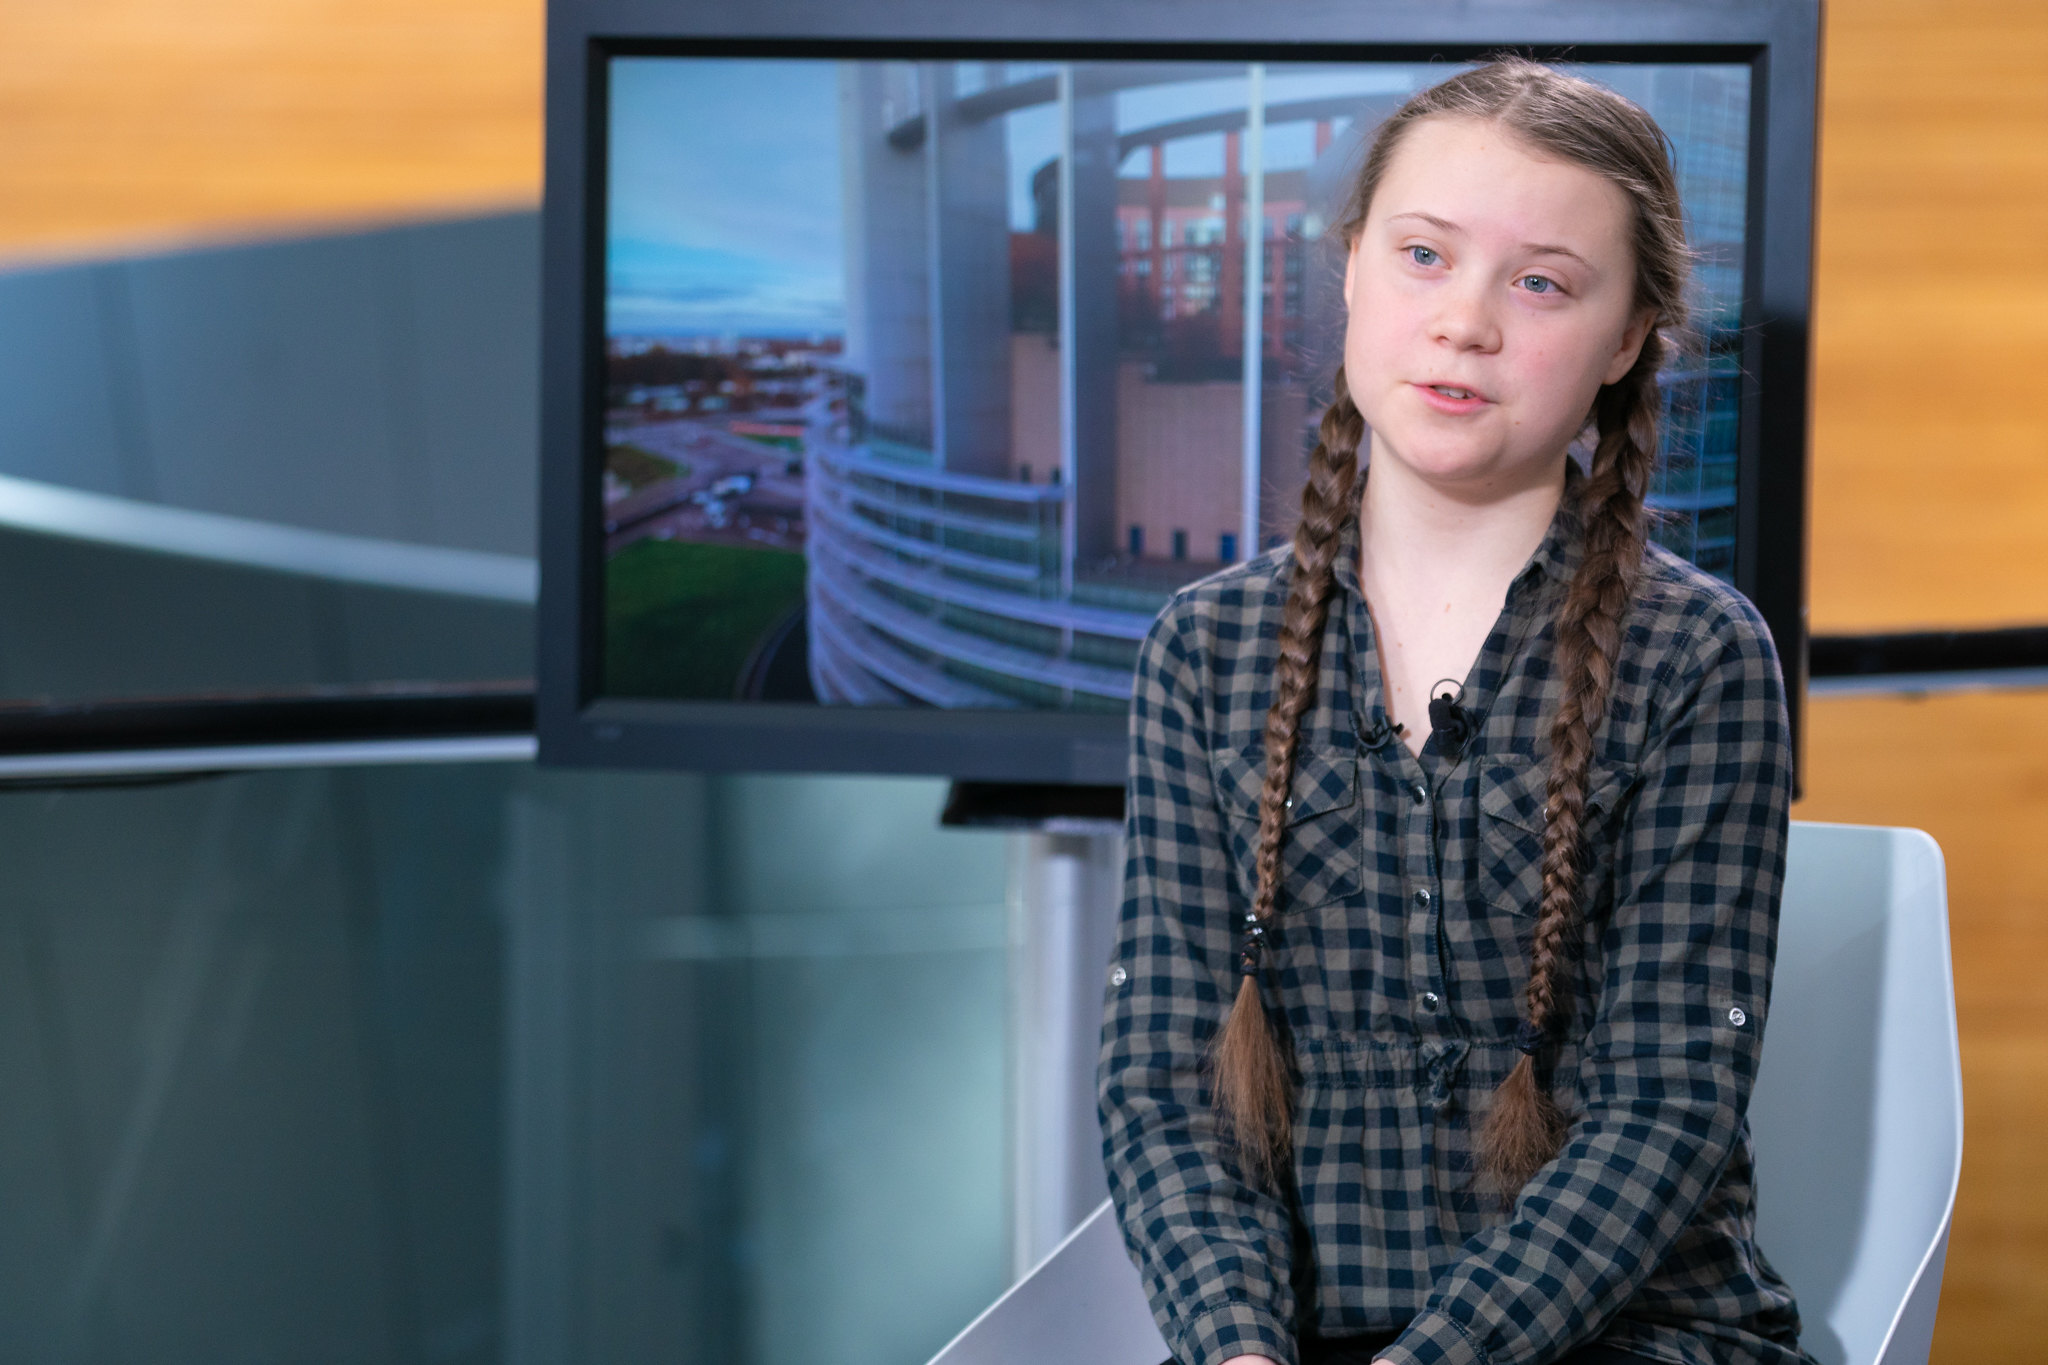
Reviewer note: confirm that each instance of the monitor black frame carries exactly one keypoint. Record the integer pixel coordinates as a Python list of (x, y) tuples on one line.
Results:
[(1778, 40)]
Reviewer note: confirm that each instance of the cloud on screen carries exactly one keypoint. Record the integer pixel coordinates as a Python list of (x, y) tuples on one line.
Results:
[(723, 210)]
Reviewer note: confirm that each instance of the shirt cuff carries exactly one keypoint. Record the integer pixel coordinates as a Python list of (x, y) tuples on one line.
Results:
[(1235, 1329), (1435, 1339)]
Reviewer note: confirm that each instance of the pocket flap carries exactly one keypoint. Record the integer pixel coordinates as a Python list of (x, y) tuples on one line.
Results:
[(1513, 787), (1325, 780)]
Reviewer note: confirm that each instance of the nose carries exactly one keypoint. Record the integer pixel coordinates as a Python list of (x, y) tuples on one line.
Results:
[(1465, 317)]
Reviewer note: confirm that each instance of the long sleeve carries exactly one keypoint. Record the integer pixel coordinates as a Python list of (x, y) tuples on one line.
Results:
[(1683, 992), (1214, 1253)]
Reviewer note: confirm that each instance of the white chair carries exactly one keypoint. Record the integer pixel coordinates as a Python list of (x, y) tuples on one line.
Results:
[(1857, 1116), (1858, 1110)]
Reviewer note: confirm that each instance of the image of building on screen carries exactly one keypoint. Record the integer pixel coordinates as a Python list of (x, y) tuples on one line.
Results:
[(928, 383)]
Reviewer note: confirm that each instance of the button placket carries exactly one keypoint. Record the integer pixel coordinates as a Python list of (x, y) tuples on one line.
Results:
[(1423, 906), (1430, 1017)]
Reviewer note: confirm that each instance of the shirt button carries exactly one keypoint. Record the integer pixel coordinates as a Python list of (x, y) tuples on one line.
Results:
[(1430, 1000), (1117, 976), (1737, 1017), (1422, 897), (1419, 792)]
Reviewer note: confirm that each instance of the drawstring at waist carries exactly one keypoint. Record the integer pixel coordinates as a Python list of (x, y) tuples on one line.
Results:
[(1445, 1065)]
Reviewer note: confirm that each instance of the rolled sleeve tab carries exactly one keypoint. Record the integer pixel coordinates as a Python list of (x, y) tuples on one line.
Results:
[(1236, 1329), (1435, 1338)]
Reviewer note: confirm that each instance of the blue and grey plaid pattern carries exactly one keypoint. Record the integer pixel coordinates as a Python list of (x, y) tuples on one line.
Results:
[(1408, 893)]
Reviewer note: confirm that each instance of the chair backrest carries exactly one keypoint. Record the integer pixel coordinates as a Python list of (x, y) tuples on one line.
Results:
[(1858, 1109), (1082, 1305), (1857, 1117)]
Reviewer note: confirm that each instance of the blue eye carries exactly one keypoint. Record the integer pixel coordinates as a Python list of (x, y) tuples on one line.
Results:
[(1425, 251), (1549, 285)]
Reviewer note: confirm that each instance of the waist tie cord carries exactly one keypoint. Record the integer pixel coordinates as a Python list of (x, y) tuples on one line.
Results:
[(1445, 1065)]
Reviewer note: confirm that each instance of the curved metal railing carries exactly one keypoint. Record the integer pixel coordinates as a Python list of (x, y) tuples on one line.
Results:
[(932, 587)]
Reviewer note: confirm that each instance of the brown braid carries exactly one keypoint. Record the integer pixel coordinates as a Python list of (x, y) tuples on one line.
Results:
[(1525, 1127), (1582, 124), (1252, 1087)]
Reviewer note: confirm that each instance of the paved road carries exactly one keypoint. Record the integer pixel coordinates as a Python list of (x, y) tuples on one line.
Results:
[(770, 513)]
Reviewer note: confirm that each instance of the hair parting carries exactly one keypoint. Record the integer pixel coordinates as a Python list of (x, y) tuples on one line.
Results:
[(1580, 123)]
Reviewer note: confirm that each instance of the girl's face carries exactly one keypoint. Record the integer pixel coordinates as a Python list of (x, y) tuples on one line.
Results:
[(1491, 294)]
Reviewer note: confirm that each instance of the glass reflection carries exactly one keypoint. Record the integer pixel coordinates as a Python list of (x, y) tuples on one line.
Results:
[(486, 1063)]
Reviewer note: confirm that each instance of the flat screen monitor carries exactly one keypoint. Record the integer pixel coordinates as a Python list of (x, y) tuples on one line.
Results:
[(897, 375)]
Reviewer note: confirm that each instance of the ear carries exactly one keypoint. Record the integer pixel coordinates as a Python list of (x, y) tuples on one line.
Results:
[(1637, 332)]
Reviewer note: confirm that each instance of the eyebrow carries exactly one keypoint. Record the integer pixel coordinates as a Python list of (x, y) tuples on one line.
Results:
[(1446, 225)]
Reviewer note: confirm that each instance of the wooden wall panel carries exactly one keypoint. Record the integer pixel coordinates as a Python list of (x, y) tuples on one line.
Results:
[(1972, 770), (133, 123), (1930, 473)]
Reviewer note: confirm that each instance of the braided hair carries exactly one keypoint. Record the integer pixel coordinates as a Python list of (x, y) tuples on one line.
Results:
[(1580, 123), (1252, 1089)]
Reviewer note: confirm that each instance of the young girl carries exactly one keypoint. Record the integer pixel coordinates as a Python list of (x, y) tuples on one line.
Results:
[(1456, 833)]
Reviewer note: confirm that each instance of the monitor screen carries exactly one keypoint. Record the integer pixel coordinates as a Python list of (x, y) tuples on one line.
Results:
[(926, 382), (901, 360)]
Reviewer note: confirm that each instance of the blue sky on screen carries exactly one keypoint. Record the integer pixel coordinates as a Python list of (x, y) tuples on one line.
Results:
[(724, 212)]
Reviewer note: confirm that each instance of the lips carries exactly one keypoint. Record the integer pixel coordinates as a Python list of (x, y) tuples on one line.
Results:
[(1452, 399)]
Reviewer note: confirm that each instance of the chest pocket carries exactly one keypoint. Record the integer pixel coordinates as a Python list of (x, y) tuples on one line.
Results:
[(1319, 855), (1512, 791)]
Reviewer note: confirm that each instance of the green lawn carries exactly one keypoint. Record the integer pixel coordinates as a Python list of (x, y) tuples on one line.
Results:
[(681, 620), (637, 468)]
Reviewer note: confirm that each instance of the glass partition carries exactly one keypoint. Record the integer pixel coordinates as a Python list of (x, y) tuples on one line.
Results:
[(484, 1063), (283, 468)]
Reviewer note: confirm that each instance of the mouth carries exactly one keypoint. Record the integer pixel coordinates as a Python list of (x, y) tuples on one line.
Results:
[(1453, 391)]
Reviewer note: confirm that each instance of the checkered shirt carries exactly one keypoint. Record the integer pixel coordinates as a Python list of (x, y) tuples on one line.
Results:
[(1408, 894)]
